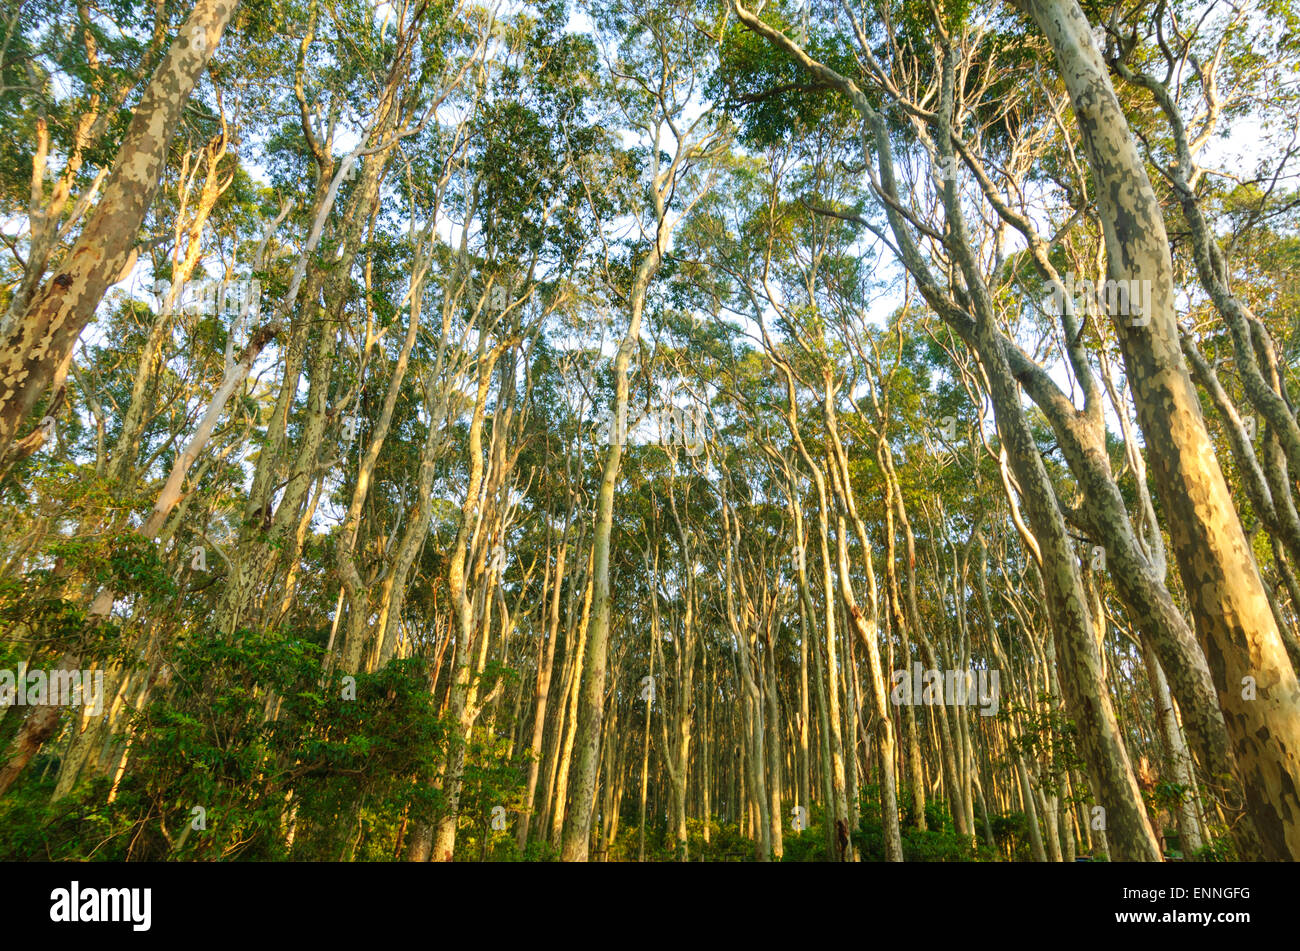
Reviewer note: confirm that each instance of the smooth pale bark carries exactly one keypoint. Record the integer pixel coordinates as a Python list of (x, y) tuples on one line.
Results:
[(838, 828), (560, 803), (706, 774), (949, 764), (471, 626), (266, 534), (899, 625), (812, 643), (266, 540), (645, 765), (678, 751), (359, 607), (45, 213), (545, 665), (1245, 331), (1073, 625), (804, 726), (744, 635), (1278, 515), (1030, 811), (577, 832), (1137, 564), (773, 743), (1178, 765), (866, 626), (579, 588)]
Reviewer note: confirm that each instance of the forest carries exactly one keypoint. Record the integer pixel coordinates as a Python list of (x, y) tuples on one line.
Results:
[(649, 431)]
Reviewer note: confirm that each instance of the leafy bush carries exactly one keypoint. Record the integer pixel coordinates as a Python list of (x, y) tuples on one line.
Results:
[(242, 753)]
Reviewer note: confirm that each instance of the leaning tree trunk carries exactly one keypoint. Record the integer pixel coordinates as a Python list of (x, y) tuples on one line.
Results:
[(39, 347), (1255, 680)]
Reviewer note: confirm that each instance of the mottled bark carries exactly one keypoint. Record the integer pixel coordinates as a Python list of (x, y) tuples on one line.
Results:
[(44, 337), (1233, 619)]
